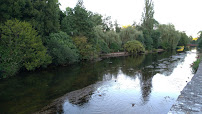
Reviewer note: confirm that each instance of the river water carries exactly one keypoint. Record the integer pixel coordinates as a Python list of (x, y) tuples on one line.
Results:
[(135, 84)]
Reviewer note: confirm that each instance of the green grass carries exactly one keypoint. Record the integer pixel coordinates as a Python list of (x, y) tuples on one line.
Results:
[(195, 65)]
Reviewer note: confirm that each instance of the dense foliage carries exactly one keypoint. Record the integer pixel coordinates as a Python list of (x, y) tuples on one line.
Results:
[(169, 37), (61, 48), (134, 47), (130, 33), (30, 27), (21, 47), (86, 50), (184, 39)]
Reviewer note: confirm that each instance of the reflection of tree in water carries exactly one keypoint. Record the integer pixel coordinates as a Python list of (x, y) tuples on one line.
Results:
[(167, 65), (41, 87), (163, 63), (132, 64), (143, 66), (157, 63), (146, 85)]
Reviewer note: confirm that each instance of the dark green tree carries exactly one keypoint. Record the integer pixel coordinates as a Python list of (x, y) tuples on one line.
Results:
[(11, 9), (148, 22), (20, 46), (61, 48), (148, 41), (156, 38), (78, 22), (42, 14), (117, 28), (184, 39)]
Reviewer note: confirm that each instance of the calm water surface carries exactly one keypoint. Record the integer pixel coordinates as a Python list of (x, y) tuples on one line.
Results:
[(135, 84)]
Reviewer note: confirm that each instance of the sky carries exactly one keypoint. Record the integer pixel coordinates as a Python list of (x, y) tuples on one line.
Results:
[(186, 15)]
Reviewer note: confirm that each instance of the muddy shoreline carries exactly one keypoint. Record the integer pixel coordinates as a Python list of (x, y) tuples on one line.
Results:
[(75, 97), (119, 54)]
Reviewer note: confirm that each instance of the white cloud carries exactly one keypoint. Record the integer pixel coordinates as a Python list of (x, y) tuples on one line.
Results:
[(184, 14)]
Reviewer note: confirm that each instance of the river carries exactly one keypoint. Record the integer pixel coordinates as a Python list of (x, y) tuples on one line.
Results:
[(134, 84)]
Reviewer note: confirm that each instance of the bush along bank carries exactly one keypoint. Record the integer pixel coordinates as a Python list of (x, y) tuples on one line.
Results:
[(195, 65)]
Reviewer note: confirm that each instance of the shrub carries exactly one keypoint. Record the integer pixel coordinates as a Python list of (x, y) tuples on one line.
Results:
[(195, 65), (134, 47), (20, 46)]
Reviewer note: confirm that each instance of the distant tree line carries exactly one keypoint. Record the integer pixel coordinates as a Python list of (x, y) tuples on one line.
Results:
[(36, 33)]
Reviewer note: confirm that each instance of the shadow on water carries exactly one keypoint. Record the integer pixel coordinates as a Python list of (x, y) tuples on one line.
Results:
[(30, 92)]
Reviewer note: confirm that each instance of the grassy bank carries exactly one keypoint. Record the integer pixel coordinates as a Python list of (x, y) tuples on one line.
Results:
[(195, 65)]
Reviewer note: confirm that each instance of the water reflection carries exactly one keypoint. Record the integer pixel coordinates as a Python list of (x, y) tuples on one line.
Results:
[(135, 83)]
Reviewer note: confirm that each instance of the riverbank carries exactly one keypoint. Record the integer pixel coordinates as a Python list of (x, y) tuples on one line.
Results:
[(115, 54), (119, 54), (190, 99)]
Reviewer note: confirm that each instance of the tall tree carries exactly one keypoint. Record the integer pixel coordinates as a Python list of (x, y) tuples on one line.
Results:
[(148, 23), (80, 2), (117, 28), (11, 9), (78, 22), (42, 14), (107, 23), (148, 15)]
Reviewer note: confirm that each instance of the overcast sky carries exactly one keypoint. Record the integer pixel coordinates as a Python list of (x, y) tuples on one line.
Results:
[(186, 15)]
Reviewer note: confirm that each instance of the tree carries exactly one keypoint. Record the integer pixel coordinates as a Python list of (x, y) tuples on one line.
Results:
[(86, 50), (199, 41), (107, 23), (148, 41), (184, 39), (42, 14), (134, 47), (117, 28), (148, 16), (21, 47), (100, 37), (61, 48), (78, 22), (11, 9), (113, 40), (130, 33), (148, 22), (96, 19), (169, 37), (156, 38)]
